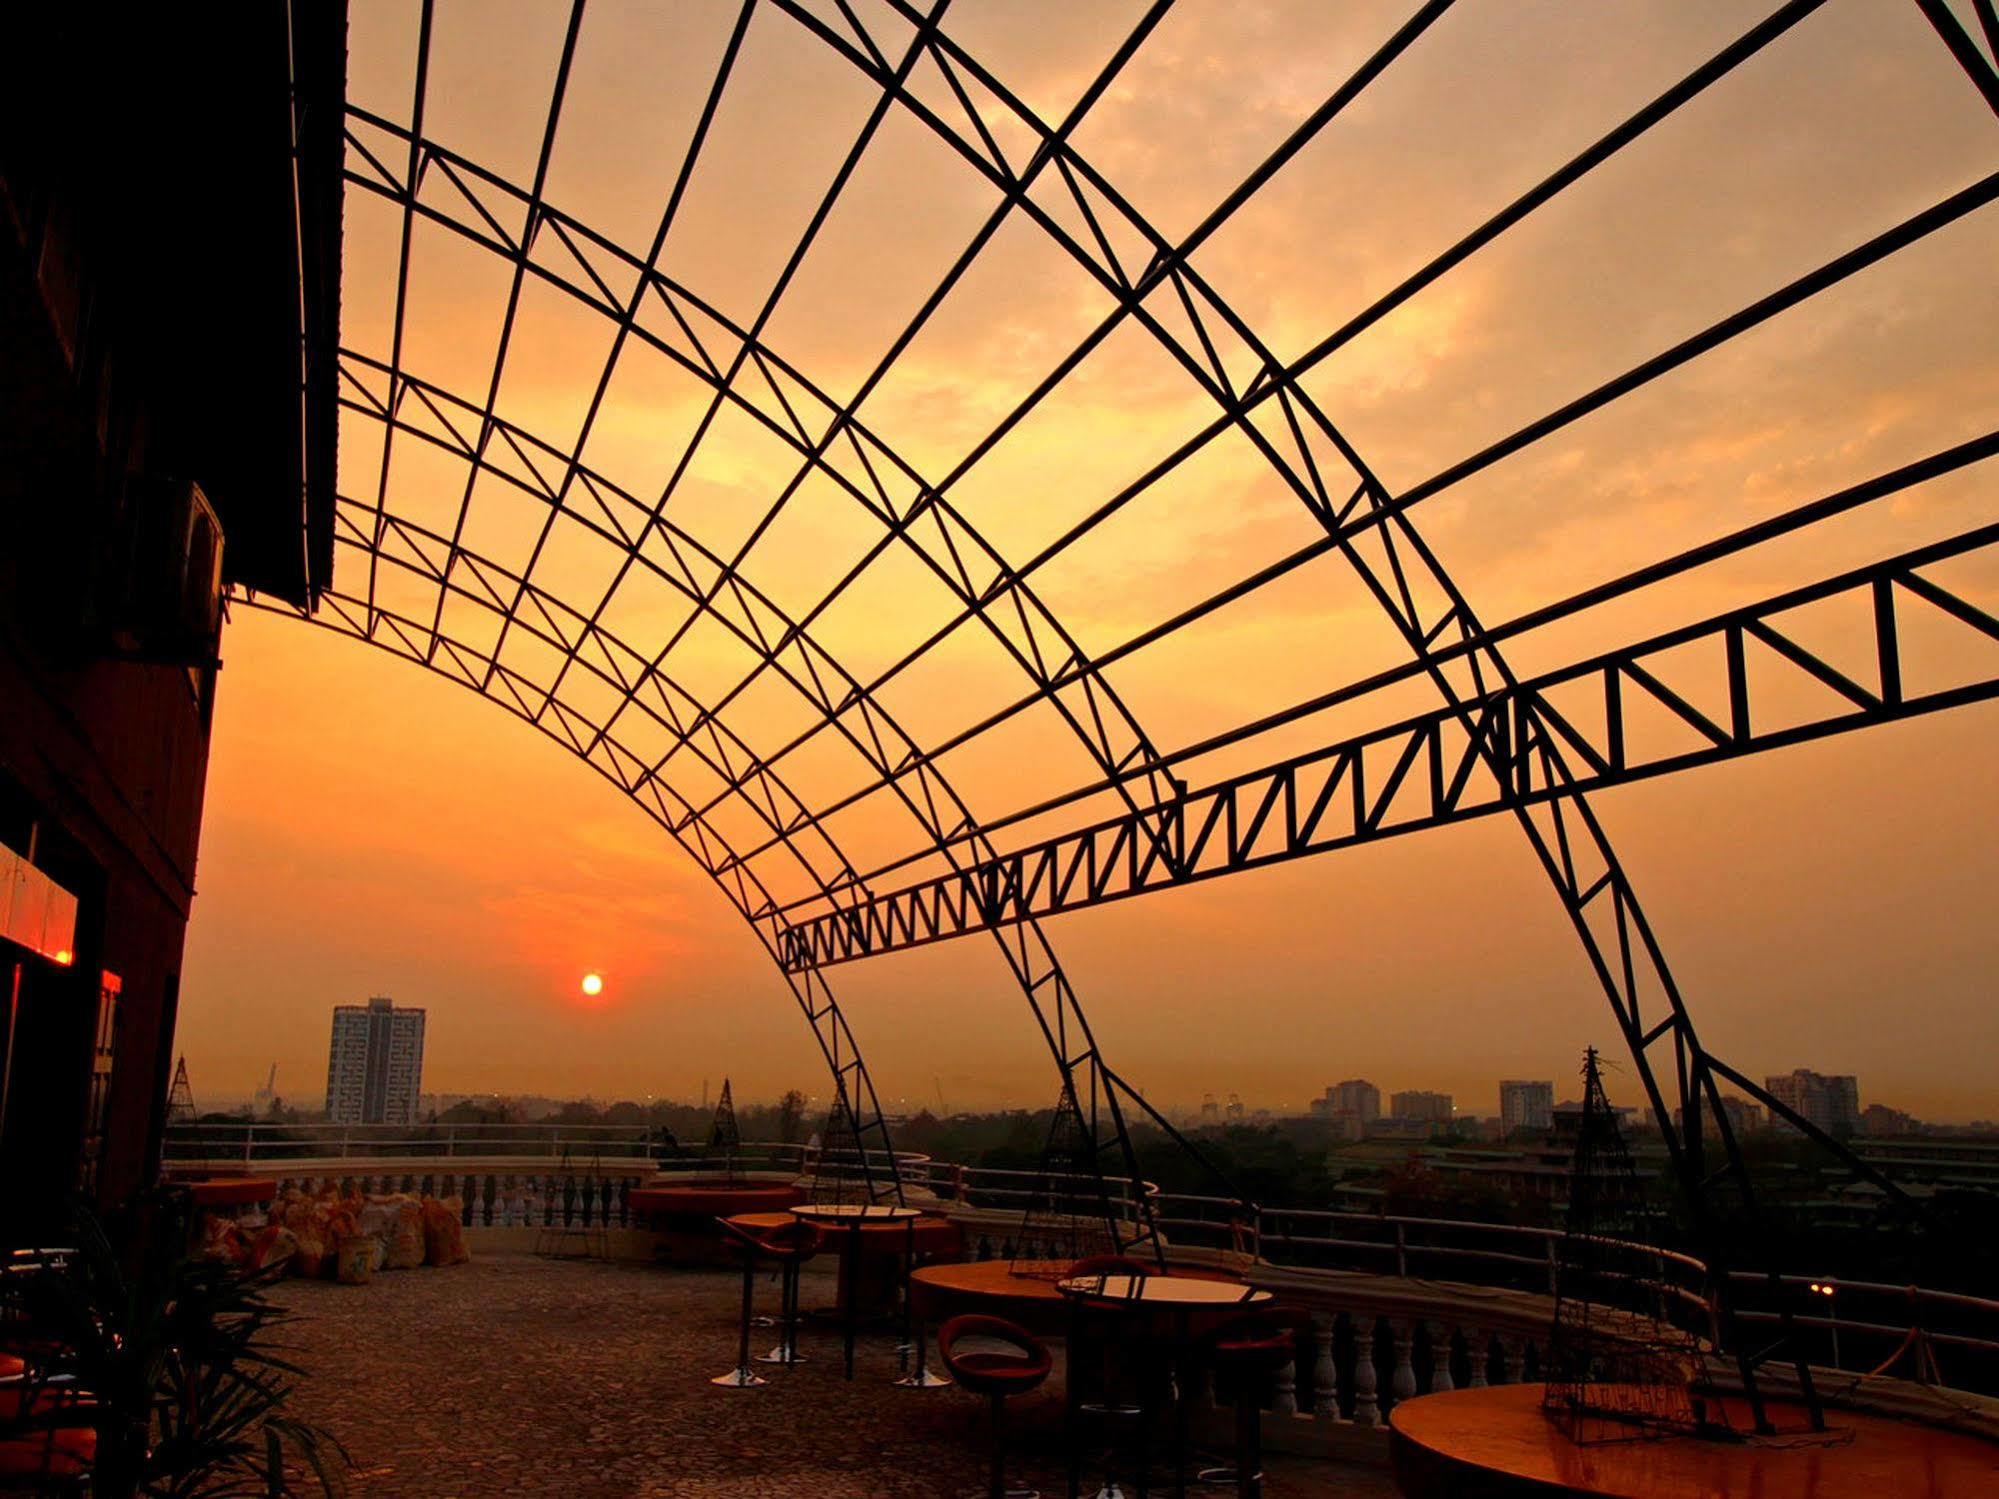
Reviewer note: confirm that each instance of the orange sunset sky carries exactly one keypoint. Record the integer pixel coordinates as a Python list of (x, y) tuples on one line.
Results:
[(372, 829)]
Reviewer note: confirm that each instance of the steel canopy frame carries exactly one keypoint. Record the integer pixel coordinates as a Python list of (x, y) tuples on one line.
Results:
[(1032, 961), (1028, 955), (1495, 733), (1425, 605)]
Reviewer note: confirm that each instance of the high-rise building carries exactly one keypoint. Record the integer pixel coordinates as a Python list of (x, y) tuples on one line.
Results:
[(374, 1069), (1414, 1103), (1831, 1103), (1744, 1117), (1526, 1105), (1356, 1098)]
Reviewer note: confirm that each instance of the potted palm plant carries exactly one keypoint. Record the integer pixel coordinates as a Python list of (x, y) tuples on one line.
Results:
[(187, 1385)]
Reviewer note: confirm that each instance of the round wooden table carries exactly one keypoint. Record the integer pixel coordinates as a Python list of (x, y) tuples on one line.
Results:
[(684, 1213), (944, 1291), (1495, 1444)]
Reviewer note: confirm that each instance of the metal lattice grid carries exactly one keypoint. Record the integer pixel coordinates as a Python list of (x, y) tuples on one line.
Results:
[(672, 700)]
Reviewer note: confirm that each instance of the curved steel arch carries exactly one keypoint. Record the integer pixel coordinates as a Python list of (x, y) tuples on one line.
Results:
[(1107, 729), (1027, 952), (1409, 582), (1370, 527), (1029, 956), (361, 619), (1422, 601)]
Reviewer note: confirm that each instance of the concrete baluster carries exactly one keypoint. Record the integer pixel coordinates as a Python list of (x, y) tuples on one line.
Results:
[(1510, 1350), (1478, 1349), (1402, 1383), (1441, 1340), (1284, 1388), (1366, 1405), (1325, 1375)]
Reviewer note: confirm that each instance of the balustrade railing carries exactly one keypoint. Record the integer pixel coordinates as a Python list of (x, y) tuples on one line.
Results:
[(268, 1144), (1400, 1304)]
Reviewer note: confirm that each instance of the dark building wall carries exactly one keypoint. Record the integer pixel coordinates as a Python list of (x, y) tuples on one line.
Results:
[(169, 273), (102, 760)]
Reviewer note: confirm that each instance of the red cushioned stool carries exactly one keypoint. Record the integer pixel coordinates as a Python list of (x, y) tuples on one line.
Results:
[(48, 1462), (1018, 1366), (1249, 1351), (789, 1245)]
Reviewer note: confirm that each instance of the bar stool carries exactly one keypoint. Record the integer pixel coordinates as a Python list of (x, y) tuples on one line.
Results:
[(1249, 1351), (790, 1245), (1020, 1366), (54, 1461), (749, 1246), (1095, 1397)]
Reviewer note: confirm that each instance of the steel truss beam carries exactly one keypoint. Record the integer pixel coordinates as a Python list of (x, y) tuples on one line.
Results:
[(1101, 722), (404, 546), (1427, 608), (1534, 756), (1168, 264), (1428, 772), (873, 476), (438, 418)]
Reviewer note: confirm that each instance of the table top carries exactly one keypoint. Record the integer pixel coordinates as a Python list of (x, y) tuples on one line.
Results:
[(1162, 1290), (854, 1212), (1497, 1439)]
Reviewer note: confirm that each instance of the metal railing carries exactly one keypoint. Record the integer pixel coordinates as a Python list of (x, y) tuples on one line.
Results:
[(253, 1144), (1865, 1326)]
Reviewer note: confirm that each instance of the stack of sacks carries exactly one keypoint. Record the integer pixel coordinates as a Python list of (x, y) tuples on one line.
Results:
[(304, 1231), (443, 1234)]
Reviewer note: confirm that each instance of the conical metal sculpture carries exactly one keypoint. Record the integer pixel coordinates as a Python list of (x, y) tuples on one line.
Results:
[(575, 1216), (723, 1135), (1069, 1215), (180, 1097), (1618, 1367), (841, 1174)]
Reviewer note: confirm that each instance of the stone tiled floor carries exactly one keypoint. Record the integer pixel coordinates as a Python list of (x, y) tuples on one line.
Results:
[(514, 1375)]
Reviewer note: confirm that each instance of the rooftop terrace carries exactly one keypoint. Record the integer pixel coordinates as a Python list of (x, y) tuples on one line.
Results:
[(518, 1375)]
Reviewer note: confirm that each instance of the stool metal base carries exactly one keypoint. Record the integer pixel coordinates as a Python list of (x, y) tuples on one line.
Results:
[(744, 1378), (786, 1354), (929, 1379)]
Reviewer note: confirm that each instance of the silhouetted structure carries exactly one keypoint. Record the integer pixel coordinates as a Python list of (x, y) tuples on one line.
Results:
[(169, 263), (180, 1097), (1618, 1367), (723, 1135), (842, 1172), (1069, 1214)]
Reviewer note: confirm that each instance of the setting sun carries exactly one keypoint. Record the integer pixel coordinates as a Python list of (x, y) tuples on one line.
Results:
[(593, 984)]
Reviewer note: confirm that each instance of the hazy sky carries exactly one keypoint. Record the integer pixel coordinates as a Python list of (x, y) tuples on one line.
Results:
[(371, 830)]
